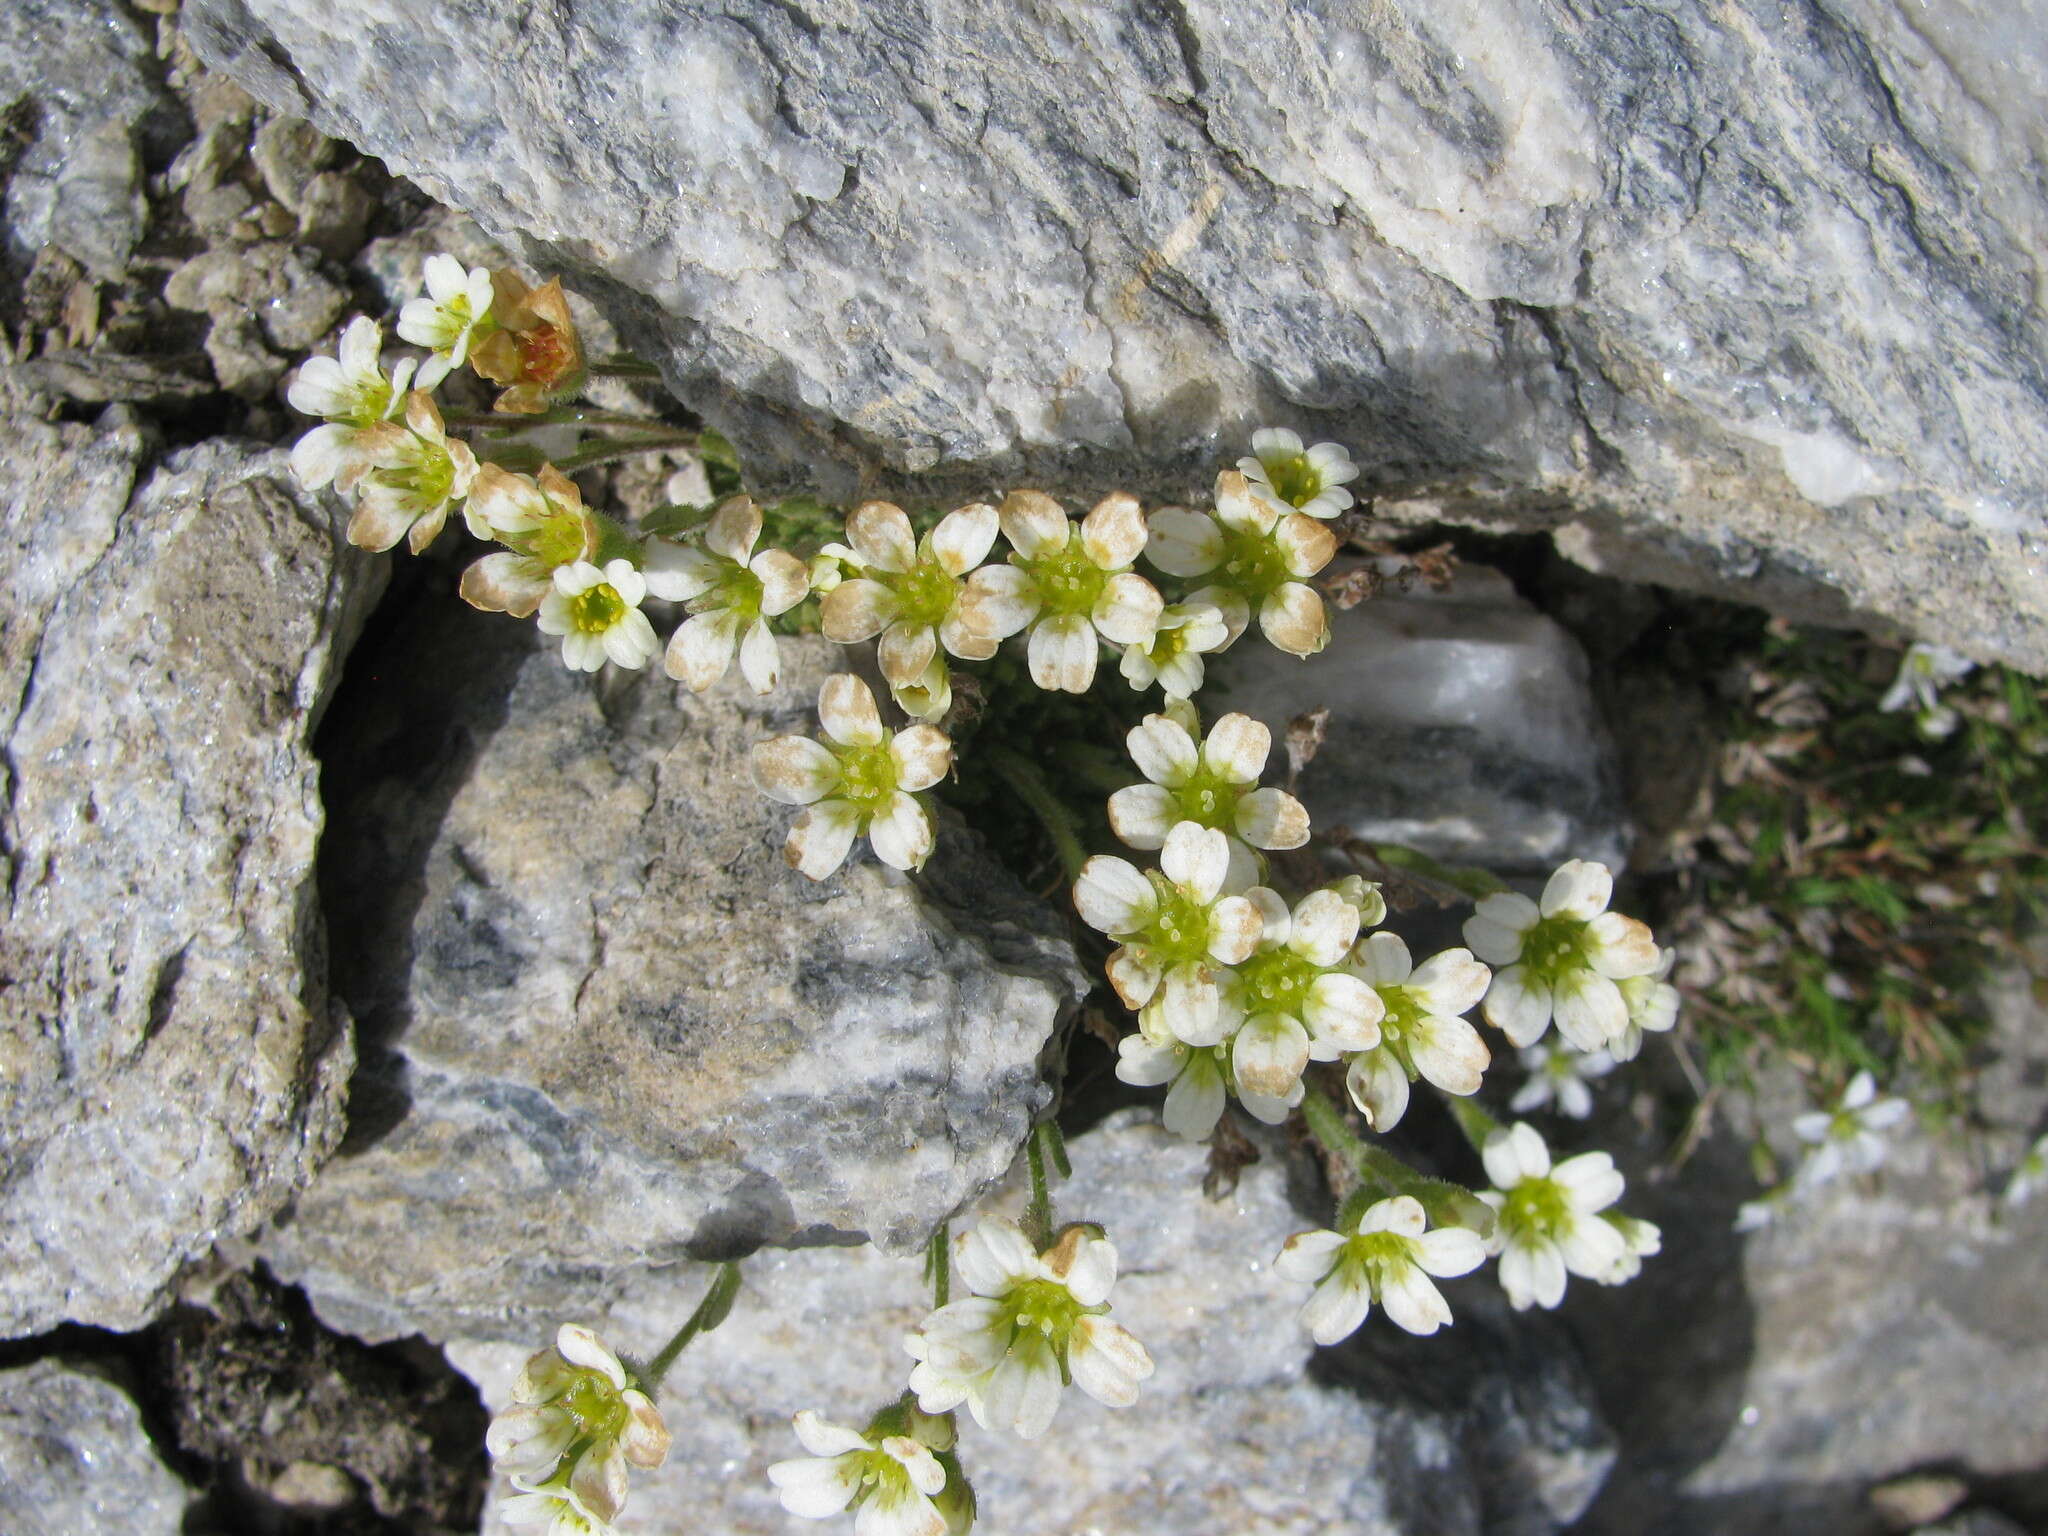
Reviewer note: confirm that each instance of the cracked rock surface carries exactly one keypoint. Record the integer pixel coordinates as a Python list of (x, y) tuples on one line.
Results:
[(170, 1065), (74, 1457), (605, 1027), (1733, 294)]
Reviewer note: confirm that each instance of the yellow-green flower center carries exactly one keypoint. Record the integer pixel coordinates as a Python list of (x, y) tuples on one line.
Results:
[(1068, 581), (1537, 1207), (595, 1404), (867, 776), (1047, 1307), (430, 478), (738, 592), (1555, 948), (1209, 800), (1179, 934), (596, 609), (558, 540), (1277, 981), (1296, 481), (1253, 563), (925, 594)]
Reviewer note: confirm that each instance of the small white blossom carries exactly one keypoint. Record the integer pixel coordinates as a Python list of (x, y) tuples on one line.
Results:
[(1849, 1138), (1422, 1031), (863, 779), (446, 319), (1212, 785), (597, 614), (1549, 1218), (1297, 1005), (1034, 1321), (556, 1508), (545, 526), (1252, 547), (910, 592), (1652, 1004), (1071, 584), (895, 1475), (1641, 1240), (575, 1423), (1177, 930), (1558, 1075), (1923, 672), (1199, 1076), (2030, 1177), (1387, 1257), (415, 474), (1311, 480), (1187, 632), (354, 394), (732, 593), (1561, 958)]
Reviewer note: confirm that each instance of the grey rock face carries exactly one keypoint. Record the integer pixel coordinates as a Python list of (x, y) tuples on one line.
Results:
[(607, 1027), (1467, 705), (75, 1458), (79, 87), (1739, 296), (170, 1066), (1244, 1426)]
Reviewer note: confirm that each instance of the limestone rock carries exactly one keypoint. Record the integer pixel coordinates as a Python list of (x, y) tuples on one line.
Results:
[(1737, 295), (81, 100), (1244, 1426), (606, 1027), (170, 1066), (1466, 706), (75, 1458)]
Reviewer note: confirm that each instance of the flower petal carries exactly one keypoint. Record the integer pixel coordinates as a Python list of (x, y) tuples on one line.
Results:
[(999, 601), (1579, 888), (857, 610), (760, 658), (795, 770), (701, 648), (1269, 1054), (1035, 524), (847, 710), (1379, 1087), (733, 529), (1324, 928), (1308, 1256), (1062, 653), (881, 535), (1305, 545), (964, 537), (1184, 543), (1343, 1014), (1517, 1003), (901, 834), (785, 580), (1340, 1304), (1293, 618), (1135, 975), (1113, 534), (1448, 1051), (1234, 929), (816, 1487), (1195, 1102), (1163, 750), (906, 650), (1271, 818), (1142, 814), (1589, 1009), (1114, 897), (1107, 1362), (1127, 612), (822, 837)]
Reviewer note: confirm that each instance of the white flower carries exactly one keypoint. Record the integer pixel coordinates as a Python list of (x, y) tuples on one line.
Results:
[(575, 1423), (546, 527), (1850, 1137), (1549, 1219), (556, 1508), (1561, 958), (862, 780), (1388, 1257), (446, 320), (353, 393), (1422, 1033), (1923, 672), (909, 591), (1187, 632), (597, 614), (893, 1474), (2030, 1177), (1178, 931), (1652, 1004), (1213, 785), (1311, 480), (1559, 1075), (1068, 584), (1199, 1076), (414, 475), (1250, 547), (1298, 1006), (732, 593), (1034, 1321), (1641, 1239)]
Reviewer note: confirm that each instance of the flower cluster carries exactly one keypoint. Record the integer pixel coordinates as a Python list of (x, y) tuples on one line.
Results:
[(577, 1423), (899, 1474)]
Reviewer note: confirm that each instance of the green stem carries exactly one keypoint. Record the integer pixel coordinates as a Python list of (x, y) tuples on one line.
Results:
[(560, 416), (711, 1311), (1327, 1124), (1023, 776), (1467, 881), (603, 450), (1038, 1214), (938, 1263)]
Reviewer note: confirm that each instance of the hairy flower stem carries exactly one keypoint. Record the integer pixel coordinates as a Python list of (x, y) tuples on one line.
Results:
[(623, 367), (604, 449), (1023, 776), (1474, 1121), (1038, 1214), (711, 1311), (1326, 1123), (938, 1266)]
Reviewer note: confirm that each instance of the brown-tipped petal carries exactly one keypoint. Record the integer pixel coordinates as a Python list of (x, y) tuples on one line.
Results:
[(795, 770), (1127, 612), (821, 838), (560, 489), (1294, 620), (847, 710), (1305, 544), (856, 610), (785, 580), (733, 529), (1062, 654), (923, 756), (645, 1439), (378, 524), (964, 640), (964, 537), (906, 650), (881, 535), (999, 601), (1034, 523), (506, 583), (1114, 533)]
